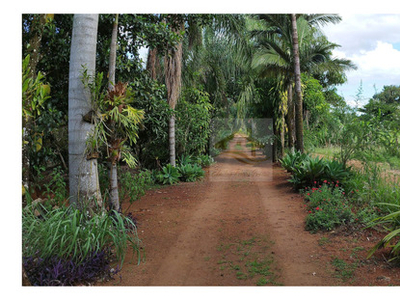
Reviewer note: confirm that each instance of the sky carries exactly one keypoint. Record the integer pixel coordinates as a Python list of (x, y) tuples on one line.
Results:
[(372, 42)]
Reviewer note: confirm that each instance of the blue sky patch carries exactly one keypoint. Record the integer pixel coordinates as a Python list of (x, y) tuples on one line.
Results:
[(396, 46)]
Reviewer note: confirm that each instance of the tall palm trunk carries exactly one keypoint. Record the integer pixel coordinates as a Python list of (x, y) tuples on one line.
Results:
[(173, 78), (113, 54), (112, 165), (83, 172), (291, 118), (299, 97)]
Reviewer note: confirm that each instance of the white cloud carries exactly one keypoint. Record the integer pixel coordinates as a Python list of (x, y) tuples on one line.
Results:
[(368, 41), (362, 31), (383, 60)]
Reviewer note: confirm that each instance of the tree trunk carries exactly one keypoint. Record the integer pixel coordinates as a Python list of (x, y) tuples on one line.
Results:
[(112, 172), (171, 133), (83, 172), (299, 97), (114, 196), (274, 147), (38, 24), (152, 63), (291, 118), (173, 72), (282, 134), (113, 54)]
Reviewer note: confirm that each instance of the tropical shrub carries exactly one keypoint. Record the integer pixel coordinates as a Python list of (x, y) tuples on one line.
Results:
[(204, 160), (168, 175), (151, 148), (336, 171), (134, 186), (190, 172), (327, 207), (307, 171), (292, 159), (185, 159), (193, 116), (56, 188)]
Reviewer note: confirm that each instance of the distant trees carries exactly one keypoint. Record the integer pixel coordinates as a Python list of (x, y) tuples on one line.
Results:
[(275, 54), (384, 105), (223, 67)]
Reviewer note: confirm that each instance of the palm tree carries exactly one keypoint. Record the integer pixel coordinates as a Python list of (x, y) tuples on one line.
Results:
[(173, 75), (83, 171), (299, 96), (275, 54)]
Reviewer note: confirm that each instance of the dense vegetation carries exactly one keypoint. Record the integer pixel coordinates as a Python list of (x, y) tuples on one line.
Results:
[(152, 125)]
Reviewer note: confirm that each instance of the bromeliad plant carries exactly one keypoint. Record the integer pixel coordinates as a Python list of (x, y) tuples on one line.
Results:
[(190, 172), (116, 122), (305, 170), (168, 175), (292, 160)]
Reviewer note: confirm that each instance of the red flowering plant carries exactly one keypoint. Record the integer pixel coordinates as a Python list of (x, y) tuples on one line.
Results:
[(327, 207)]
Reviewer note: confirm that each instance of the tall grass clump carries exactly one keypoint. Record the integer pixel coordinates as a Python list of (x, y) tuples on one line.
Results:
[(69, 236)]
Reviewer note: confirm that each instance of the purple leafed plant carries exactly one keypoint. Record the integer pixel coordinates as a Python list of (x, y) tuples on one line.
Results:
[(55, 271)]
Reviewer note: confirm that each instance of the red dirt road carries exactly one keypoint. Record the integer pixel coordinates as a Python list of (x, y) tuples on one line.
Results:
[(242, 225)]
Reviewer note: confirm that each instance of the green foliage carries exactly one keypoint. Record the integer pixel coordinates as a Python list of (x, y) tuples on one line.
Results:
[(152, 145), (314, 100), (193, 116), (185, 159), (292, 160), (42, 135), (190, 172), (73, 234), (391, 240), (116, 121), (56, 188), (327, 207), (356, 136), (34, 92), (168, 175), (336, 171), (134, 186), (384, 105), (204, 160), (308, 171)]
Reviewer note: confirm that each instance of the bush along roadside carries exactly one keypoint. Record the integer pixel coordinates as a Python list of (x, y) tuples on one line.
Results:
[(328, 190), (335, 196), (188, 170), (327, 207), (306, 170)]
